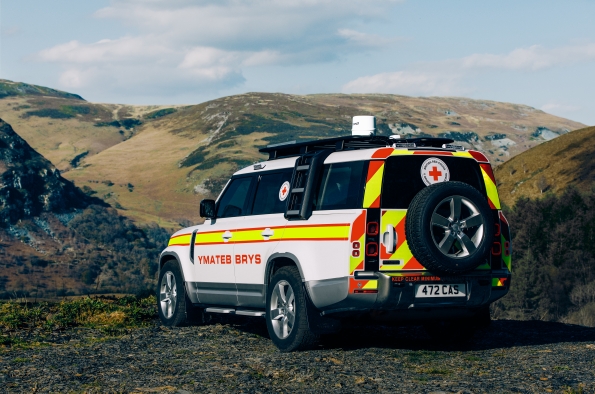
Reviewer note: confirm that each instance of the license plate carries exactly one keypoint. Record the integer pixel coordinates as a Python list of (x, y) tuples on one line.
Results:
[(440, 290)]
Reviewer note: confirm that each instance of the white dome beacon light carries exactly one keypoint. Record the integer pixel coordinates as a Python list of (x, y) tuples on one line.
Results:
[(363, 125)]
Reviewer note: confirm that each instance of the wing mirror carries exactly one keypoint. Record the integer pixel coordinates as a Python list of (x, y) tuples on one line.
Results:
[(207, 209)]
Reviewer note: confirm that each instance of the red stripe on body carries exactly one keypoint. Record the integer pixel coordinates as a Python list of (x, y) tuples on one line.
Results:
[(382, 153)]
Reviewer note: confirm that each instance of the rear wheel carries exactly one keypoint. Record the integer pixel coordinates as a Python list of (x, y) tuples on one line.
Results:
[(286, 314), (174, 307)]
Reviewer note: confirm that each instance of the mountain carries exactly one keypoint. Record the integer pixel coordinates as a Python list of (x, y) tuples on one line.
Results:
[(154, 164), (64, 127), (56, 239), (550, 167)]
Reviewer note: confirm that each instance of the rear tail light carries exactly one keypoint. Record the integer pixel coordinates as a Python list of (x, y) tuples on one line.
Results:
[(372, 228), (497, 249), (372, 249)]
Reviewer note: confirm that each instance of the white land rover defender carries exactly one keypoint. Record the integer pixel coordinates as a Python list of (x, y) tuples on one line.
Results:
[(366, 226)]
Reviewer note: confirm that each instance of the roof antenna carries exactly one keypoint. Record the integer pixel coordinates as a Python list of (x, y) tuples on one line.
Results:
[(363, 125)]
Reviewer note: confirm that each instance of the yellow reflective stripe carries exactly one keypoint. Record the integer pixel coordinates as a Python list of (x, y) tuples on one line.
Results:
[(255, 235), (491, 189), (373, 187), (462, 154), (317, 232), (371, 285), (496, 282), (180, 240), (209, 238), (402, 152)]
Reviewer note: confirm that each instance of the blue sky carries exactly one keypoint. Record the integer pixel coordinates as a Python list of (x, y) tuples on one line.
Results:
[(539, 53)]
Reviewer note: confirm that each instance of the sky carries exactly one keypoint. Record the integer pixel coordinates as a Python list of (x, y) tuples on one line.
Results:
[(539, 53)]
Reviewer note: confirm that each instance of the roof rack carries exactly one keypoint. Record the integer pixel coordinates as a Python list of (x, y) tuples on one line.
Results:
[(277, 151)]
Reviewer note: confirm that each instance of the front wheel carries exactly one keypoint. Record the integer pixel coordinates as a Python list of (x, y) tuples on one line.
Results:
[(286, 314), (175, 309)]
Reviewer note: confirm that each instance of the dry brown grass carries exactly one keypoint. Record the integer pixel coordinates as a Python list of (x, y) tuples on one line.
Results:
[(566, 160)]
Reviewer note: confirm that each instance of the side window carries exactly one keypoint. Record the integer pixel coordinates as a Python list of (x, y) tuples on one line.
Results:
[(341, 186), (233, 202), (269, 195)]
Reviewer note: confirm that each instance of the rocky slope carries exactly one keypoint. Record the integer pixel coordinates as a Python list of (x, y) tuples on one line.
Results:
[(56, 239), (30, 184)]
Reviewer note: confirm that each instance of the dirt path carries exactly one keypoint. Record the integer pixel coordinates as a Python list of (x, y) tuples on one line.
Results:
[(235, 355)]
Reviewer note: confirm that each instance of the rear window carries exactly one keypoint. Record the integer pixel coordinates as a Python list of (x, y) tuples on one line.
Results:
[(402, 177), (341, 186)]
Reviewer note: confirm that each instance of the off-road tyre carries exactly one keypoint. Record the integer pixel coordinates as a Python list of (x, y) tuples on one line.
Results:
[(180, 312), (421, 231), (300, 337)]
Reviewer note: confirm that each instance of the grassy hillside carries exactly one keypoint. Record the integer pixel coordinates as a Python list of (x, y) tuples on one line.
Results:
[(174, 161), (154, 164), (550, 167)]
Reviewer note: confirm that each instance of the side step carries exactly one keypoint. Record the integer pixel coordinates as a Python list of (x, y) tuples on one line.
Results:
[(232, 311)]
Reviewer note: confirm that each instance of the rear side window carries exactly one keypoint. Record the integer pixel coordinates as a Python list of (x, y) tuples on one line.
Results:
[(341, 186), (235, 198), (270, 198), (402, 177)]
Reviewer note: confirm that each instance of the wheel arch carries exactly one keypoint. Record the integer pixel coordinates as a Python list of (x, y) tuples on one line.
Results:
[(170, 256), (278, 260)]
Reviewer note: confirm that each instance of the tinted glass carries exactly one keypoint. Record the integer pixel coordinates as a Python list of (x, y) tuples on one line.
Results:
[(341, 186), (233, 201), (402, 177), (268, 193)]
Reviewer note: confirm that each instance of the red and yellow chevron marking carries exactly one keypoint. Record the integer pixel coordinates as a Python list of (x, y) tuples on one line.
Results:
[(498, 282), (180, 240), (363, 286), (357, 235), (397, 218), (374, 184), (490, 184), (382, 153)]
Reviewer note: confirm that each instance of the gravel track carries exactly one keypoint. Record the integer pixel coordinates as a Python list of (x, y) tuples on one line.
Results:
[(233, 354)]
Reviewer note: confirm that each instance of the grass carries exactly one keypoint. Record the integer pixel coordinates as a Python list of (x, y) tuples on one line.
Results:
[(19, 321)]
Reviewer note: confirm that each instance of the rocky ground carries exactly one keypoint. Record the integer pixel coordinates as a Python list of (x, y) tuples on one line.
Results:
[(235, 355)]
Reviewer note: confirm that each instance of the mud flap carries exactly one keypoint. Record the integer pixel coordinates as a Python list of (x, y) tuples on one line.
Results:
[(318, 324)]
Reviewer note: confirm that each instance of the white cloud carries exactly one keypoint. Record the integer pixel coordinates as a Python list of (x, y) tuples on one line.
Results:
[(555, 107), (198, 43), (534, 57), (450, 77), (407, 83)]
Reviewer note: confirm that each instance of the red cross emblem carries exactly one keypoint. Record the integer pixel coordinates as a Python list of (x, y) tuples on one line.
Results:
[(284, 190), (435, 173)]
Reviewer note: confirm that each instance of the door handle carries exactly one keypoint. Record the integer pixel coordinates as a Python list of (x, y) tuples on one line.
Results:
[(226, 236), (389, 239), (267, 233)]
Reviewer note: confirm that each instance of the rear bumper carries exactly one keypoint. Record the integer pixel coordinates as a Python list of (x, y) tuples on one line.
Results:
[(394, 296)]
